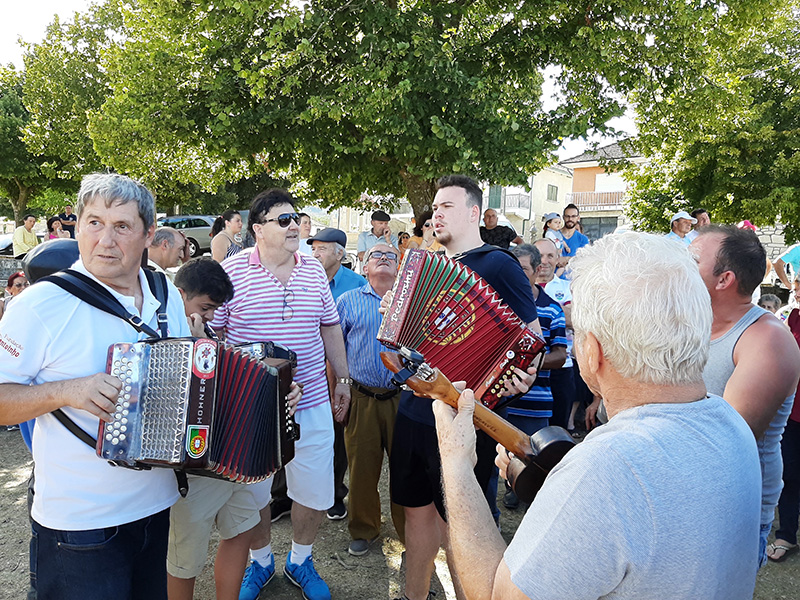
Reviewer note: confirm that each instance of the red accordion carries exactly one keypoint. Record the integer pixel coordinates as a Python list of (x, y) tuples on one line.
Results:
[(451, 316), (202, 406)]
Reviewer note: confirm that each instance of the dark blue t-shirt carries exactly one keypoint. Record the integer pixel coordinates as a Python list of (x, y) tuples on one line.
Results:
[(503, 272)]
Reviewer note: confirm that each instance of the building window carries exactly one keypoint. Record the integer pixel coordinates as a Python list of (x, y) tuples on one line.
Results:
[(596, 227), (552, 193)]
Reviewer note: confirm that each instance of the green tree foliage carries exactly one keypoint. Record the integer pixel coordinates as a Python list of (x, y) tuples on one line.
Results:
[(385, 96), (21, 173), (64, 82), (729, 140)]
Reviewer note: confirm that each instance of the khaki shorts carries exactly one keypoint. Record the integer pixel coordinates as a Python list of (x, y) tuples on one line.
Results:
[(210, 501)]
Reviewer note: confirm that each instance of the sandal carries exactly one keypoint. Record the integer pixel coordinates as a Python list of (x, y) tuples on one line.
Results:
[(787, 550)]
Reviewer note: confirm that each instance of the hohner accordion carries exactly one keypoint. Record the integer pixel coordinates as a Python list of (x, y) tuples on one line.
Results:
[(202, 406), (454, 318)]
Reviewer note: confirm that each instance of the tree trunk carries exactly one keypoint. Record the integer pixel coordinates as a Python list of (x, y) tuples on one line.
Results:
[(20, 204), (420, 192)]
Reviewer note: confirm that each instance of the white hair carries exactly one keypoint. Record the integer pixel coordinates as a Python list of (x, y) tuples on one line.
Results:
[(645, 302)]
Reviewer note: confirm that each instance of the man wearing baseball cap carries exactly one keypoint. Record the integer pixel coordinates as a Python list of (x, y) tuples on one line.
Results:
[(380, 233), (681, 224)]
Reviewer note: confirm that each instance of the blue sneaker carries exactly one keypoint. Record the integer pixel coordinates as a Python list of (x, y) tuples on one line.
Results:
[(305, 577), (255, 578)]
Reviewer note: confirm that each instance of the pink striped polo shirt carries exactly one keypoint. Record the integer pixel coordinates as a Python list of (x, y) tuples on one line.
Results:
[(257, 313)]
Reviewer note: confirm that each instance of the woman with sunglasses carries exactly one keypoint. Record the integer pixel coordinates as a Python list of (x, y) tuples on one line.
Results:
[(16, 284), (226, 234), (403, 239), (423, 234)]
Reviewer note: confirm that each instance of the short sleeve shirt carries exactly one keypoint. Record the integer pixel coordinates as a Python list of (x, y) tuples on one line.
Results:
[(578, 240), (792, 257), (263, 309), (70, 228), (74, 489), (501, 236)]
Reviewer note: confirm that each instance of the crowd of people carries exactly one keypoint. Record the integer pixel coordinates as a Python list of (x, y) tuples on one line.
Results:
[(652, 342)]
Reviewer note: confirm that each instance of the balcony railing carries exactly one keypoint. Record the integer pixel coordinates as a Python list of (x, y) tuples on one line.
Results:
[(519, 201), (597, 200)]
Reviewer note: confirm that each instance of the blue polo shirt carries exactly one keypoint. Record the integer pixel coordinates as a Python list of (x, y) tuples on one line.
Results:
[(344, 281), (360, 318)]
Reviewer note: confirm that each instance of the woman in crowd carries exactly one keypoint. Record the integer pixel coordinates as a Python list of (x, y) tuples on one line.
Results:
[(226, 235), (424, 237), (54, 229), (403, 239), (16, 284)]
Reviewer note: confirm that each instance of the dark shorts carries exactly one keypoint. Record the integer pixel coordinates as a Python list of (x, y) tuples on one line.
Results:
[(415, 470)]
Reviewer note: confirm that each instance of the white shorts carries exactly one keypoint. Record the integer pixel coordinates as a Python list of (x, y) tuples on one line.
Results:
[(209, 501), (309, 475)]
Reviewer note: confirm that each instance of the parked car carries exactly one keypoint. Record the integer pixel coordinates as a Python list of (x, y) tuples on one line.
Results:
[(6, 247), (196, 228)]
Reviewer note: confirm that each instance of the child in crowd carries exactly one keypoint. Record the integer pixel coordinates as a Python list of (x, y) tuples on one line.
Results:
[(552, 231)]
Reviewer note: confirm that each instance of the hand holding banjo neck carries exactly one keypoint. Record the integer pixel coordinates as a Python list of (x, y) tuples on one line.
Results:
[(534, 456)]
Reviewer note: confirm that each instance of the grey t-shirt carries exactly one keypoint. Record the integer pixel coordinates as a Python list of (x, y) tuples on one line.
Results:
[(662, 502)]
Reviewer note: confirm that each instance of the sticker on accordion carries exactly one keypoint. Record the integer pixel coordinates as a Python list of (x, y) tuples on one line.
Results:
[(205, 358), (197, 440)]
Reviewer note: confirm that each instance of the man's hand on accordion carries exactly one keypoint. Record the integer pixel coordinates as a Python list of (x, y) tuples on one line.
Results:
[(386, 301), (96, 394), (293, 397), (521, 382)]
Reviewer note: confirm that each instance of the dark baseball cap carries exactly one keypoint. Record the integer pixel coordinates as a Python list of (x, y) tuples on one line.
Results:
[(330, 234), (379, 215)]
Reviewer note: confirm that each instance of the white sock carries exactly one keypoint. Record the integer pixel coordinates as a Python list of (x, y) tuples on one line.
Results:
[(262, 555), (299, 553)]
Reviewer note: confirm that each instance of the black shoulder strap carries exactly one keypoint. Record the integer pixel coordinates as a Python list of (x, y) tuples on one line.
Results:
[(94, 294), (158, 286)]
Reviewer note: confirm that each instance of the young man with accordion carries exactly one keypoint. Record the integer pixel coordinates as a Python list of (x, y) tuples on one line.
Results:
[(414, 463)]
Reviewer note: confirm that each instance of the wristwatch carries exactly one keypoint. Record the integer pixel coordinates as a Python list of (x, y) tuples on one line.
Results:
[(344, 380)]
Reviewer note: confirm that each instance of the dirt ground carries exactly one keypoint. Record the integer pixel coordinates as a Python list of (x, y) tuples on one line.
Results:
[(375, 576)]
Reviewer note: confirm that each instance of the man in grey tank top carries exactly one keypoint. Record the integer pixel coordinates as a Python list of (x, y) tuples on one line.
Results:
[(754, 362)]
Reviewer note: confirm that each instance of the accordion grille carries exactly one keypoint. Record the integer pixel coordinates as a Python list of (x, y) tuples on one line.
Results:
[(164, 419)]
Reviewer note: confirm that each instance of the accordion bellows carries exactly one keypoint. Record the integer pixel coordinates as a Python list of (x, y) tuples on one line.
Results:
[(199, 405), (454, 318)]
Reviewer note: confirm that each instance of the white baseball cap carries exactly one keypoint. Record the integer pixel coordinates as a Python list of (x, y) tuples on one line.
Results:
[(682, 215)]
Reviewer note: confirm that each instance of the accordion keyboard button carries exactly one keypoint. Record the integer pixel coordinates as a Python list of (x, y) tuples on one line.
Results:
[(115, 441)]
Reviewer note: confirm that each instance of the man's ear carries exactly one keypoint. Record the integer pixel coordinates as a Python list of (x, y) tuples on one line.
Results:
[(593, 353), (726, 279)]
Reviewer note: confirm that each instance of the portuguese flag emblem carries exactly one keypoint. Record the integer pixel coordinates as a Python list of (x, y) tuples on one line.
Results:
[(197, 440)]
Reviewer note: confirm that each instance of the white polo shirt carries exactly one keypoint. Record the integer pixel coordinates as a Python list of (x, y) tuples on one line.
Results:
[(558, 290), (50, 335)]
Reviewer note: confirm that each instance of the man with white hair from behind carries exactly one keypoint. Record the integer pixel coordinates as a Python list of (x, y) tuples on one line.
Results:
[(672, 461)]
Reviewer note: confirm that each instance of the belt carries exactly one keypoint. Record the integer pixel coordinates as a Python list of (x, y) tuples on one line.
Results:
[(368, 391)]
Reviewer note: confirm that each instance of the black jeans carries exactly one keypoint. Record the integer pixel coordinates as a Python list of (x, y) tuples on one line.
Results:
[(789, 503), (127, 562)]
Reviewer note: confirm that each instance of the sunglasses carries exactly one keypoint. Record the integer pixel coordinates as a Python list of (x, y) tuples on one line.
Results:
[(428, 224), (377, 255), (284, 219)]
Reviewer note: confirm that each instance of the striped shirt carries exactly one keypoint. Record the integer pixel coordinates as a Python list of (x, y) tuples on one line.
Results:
[(263, 309), (538, 401), (360, 319)]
